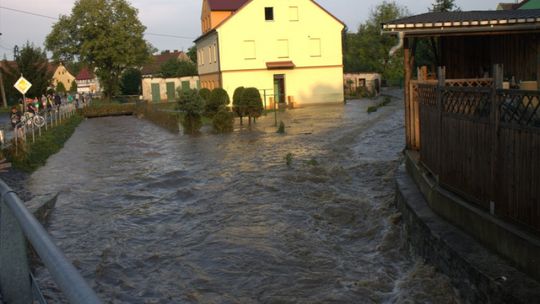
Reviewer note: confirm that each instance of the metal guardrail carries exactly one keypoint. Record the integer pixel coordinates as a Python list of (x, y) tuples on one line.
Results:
[(17, 225)]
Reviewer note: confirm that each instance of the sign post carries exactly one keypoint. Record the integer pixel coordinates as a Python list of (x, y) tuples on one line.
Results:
[(23, 85)]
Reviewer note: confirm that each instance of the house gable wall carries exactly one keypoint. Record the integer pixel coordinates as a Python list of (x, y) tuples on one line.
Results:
[(313, 39)]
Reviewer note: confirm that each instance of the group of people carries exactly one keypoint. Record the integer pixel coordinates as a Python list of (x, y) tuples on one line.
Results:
[(46, 102)]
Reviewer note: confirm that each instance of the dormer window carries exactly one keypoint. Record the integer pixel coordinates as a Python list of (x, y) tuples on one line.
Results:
[(269, 13)]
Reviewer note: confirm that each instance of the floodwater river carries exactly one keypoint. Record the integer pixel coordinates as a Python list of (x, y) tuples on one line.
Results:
[(153, 217)]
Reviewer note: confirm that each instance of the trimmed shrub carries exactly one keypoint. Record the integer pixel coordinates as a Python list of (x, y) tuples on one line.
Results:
[(238, 106), (218, 98), (205, 94), (223, 121), (253, 102), (191, 103)]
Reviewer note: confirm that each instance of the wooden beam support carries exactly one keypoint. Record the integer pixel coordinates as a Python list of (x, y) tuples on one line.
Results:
[(406, 89)]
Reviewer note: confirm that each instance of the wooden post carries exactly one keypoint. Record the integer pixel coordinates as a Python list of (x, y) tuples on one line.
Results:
[(494, 121), (441, 76), (2, 90), (406, 89)]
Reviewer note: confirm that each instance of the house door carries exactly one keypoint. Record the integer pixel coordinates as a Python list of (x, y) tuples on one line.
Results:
[(156, 95), (279, 88), (170, 91)]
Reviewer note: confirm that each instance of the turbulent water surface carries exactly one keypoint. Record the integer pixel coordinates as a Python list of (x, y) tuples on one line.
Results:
[(153, 217)]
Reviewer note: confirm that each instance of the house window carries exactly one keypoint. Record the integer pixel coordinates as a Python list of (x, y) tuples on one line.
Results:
[(215, 52), (315, 47), (249, 49), (293, 13), (210, 54), (283, 48), (269, 13)]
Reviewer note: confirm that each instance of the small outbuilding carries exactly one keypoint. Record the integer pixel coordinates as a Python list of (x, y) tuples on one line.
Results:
[(476, 127)]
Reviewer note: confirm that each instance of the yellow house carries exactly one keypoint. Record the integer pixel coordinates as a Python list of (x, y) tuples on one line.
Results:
[(61, 74), (291, 50)]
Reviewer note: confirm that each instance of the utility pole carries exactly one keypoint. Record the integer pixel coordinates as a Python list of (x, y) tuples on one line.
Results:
[(2, 90)]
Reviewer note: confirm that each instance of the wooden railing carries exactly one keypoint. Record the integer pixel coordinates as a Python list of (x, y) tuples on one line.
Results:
[(483, 143), (412, 109)]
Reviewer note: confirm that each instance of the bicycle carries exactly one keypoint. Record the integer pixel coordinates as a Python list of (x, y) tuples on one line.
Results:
[(30, 118)]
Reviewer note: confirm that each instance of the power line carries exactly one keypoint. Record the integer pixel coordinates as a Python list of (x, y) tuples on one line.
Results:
[(169, 36), (28, 13), (54, 18)]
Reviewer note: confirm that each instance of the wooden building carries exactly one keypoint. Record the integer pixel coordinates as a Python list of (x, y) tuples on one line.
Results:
[(476, 127)]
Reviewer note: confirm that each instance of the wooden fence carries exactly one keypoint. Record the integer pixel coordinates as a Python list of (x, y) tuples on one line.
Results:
[(412, 114), (484, 143)]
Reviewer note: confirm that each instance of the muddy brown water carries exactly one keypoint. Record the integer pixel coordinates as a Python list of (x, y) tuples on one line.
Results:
[(152, 217)]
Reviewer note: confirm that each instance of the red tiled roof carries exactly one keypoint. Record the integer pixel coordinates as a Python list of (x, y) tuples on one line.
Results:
[(225, 5), (85, 74), (154, 66), (51, 67)]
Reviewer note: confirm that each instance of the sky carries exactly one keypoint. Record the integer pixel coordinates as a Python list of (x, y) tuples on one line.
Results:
[(180, 18)]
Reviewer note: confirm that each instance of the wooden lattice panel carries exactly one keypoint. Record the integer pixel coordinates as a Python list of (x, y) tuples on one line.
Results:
[(470, 102), (427, 94), (470, 83), (519, 107)]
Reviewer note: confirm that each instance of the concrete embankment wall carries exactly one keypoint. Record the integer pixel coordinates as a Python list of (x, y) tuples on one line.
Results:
[(480, 275)]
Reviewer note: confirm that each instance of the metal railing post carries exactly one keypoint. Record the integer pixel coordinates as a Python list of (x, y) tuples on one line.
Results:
[(14, 271)]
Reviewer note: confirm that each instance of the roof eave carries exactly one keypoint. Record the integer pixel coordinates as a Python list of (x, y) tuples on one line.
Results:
[(205, 35), (452, 30)]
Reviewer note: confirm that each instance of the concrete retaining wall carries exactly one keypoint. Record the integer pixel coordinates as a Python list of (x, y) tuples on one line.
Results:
[(479, 275)]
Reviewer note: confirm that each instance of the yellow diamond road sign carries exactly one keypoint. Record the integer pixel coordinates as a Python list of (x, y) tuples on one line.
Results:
[(23, 85)]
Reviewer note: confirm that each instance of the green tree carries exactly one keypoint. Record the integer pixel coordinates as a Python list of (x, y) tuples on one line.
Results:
[(367, 50), (218, 98), (191, 103), (427, 50), (238, 106), (105, 34), (192, 53), (253, 102), (60, 88), (73, 87), (177, 68), (444, 6), (32, 63), (131, 82)]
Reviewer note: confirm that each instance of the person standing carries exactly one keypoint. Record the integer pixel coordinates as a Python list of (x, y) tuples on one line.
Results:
[(15, 117)]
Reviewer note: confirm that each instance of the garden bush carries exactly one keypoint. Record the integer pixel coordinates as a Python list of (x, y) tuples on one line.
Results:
[(238, 106), (191, 104), (218, 98), (253, 102), (223, 121), (205, 94)]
